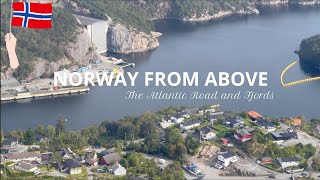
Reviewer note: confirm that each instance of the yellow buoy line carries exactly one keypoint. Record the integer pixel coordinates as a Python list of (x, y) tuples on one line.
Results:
[(295, 82)]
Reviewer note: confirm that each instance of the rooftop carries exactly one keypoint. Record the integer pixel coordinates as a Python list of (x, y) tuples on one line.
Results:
[(254, 114), (23, 155), (192, 122), (289, 159), (227, 154), (264, 122), (205, 130)]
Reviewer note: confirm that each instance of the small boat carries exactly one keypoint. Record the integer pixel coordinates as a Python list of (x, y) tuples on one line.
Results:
[(193, 169)]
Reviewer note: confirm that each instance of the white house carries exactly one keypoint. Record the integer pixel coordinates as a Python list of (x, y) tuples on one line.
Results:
[(27, 156), (24, 166), (117, 170), (289, 161), (267, 125), (207, 133), (226, 158), (190, 124), (179, 117)]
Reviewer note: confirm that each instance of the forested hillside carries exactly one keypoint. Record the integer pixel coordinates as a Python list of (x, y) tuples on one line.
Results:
[(310, 50), (47, 44), (138, 13)]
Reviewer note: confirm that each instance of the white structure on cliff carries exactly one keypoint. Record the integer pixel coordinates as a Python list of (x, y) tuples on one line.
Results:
[(97, 30)]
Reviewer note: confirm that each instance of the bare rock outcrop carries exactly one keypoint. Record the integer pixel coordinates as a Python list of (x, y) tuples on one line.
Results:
[(122, 39)]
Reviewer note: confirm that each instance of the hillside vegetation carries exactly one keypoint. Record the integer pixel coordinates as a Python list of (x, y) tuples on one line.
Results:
[(310, 50), (137, 13), (49, 44)]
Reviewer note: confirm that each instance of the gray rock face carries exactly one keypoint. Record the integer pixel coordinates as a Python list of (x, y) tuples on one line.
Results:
[(124, 40)]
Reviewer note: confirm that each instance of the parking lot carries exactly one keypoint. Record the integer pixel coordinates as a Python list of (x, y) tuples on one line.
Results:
[(303, 138)]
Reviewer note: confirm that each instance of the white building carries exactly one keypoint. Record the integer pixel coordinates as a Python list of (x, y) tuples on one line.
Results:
[(24, 166), (26, 156), (117, 170), (207, 133), (289, 161), (226, 158), (179, 117), (190, 125)]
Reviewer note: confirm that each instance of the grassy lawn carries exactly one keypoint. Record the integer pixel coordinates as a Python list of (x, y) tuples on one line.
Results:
[(272, 166), (82, 175), (219, 128)]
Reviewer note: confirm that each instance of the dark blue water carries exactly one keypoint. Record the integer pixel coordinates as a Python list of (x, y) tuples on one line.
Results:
[(247, 44)]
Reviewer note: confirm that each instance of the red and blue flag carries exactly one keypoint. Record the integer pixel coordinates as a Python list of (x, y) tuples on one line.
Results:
[(32, 15)]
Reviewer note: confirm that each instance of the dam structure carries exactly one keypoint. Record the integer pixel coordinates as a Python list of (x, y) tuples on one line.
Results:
[(97, 30)]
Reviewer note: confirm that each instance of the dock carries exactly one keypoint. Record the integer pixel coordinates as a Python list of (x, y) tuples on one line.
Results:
[(27, 95)]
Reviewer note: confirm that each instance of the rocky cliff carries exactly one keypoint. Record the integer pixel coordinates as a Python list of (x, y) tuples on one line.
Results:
[(279, 2), (78, 53), (122, 39)]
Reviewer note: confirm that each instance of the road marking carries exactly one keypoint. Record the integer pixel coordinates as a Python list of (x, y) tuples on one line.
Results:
[(295, 82)]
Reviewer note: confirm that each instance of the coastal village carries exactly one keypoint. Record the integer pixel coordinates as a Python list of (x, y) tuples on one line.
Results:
[(220, 145)]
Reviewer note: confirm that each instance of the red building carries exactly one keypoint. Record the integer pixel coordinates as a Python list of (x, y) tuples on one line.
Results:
[(224, 141), (266, 160), (242, 135)]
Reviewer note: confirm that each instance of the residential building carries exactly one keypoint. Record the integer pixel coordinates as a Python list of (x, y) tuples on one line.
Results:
[(27, 167), (224, 141), (227, 157), (266, 160), (254, 116), (72, 166), (207, 133), (317, 129), (117, 170), (233, 122), (167, 119), (110, 159), (41, 138), (91, 161), (295, 121), (191, 112), (242, 135), (46, 158), (27, 156), (286, 162), (279, 137), (66, 153), (10, 142), (190, 124), (267, 125), (179, 117)]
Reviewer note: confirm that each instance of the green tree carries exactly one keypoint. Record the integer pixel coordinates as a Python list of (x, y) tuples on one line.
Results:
[(29, 137), (51, 131), (124, 163), (40, 130), (133, 160), (152, 143), (61, 126), (192, 144)]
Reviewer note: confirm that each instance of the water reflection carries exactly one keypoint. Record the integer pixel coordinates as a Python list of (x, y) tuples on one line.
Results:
[(310, 69)]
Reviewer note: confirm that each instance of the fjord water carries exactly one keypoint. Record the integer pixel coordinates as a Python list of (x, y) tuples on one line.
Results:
[(247, 44)]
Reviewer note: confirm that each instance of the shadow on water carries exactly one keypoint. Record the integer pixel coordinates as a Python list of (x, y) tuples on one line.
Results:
[(310, 69)]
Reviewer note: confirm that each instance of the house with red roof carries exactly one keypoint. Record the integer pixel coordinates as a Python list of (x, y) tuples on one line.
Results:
[(295, 121), (242, 135), (253, 115)]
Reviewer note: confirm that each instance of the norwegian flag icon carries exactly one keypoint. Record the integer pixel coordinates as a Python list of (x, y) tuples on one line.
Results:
[(32, 15)]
